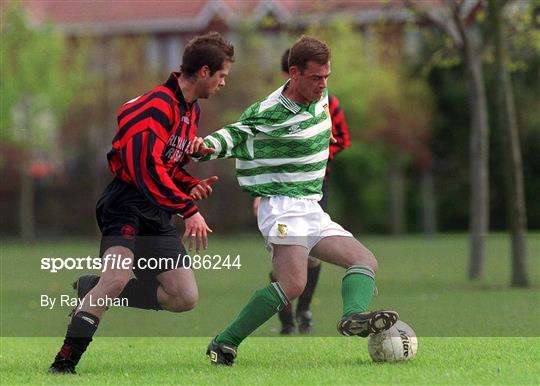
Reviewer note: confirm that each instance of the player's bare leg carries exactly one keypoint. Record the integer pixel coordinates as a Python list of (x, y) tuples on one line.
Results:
[(86, 317), (303, 312), (357, 286), (111, 282), (344, 252), (177, 291), (290, 268)]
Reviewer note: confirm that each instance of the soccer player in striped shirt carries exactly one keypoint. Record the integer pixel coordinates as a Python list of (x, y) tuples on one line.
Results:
[(340, 132), (147, 159), (281, 146)]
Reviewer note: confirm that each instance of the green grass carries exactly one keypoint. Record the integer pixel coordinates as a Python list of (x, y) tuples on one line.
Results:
[(469, 333), (424, 279), (329, 361)]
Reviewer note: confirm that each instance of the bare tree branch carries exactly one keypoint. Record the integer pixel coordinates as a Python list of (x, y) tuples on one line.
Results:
[(458, 22), (443, 24)]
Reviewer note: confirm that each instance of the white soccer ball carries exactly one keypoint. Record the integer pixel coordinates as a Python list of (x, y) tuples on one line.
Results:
[(398, 343)]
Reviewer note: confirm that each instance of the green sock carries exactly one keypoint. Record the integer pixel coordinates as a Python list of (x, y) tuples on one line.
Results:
[(357, 289), (262, 306)]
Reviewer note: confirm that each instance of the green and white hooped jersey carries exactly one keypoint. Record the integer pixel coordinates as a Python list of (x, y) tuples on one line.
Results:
[(281, 147)]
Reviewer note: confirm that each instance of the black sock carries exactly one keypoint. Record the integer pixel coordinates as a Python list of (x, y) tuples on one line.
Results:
[(78, 336), (141, 294), (285, 314), (304, 300)]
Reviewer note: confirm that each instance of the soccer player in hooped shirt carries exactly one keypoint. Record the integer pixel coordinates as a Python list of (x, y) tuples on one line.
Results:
[(281, 146), (340, 132), (148, 154)]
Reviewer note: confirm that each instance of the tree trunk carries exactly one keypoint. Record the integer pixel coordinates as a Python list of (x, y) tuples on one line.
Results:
[(479, 153), (397, 196), (101, 135), (513, 171), (26, 204), (429, 216)]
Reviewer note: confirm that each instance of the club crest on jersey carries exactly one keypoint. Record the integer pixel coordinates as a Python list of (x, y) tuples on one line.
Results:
[(326, 110), (282, 230)]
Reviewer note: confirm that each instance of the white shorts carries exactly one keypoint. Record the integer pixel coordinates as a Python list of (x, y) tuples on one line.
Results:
[(295, 221)]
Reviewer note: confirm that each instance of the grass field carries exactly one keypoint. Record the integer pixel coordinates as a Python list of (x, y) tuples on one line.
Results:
[(469, 333), (278, 361)]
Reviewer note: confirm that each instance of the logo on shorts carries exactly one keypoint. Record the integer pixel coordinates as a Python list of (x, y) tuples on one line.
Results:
[(282, 230), (128, 232)]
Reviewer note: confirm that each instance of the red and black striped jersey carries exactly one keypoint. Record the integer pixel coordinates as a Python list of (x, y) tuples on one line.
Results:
[(154, 132), (340, 130)]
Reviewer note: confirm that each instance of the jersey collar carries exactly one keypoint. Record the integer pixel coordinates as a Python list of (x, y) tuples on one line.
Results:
[(172, 84), (288, 103)]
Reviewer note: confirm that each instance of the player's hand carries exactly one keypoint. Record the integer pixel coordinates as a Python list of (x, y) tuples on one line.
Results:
[(333, 139), (256, 202), (203, 189), (198, 148), (197, 232)]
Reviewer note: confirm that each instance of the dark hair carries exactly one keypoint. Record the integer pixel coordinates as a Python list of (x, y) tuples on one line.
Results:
[(285, 61), (206, 50), (307, 48)]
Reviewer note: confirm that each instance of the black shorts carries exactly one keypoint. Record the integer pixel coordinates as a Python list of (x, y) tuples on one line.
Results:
[(126, 218)]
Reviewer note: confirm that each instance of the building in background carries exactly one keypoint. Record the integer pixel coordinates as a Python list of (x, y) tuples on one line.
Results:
[(168, 25)]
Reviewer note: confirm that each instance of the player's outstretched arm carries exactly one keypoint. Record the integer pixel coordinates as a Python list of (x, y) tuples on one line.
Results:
[(199, 149), (228, 142)]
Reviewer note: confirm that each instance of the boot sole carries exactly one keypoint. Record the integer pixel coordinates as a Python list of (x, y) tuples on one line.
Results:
[(378, 321)]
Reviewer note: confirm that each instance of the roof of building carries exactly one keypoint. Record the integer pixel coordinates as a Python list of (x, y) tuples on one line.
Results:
[(113, 17)]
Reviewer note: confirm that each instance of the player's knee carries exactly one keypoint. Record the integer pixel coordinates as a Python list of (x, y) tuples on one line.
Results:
[(366, 258), (189, 301), (294, 289), (182, 305), (181, 302), (371, 261)]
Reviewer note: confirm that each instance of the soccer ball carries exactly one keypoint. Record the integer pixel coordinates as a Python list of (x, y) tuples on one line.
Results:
[(396, 344)]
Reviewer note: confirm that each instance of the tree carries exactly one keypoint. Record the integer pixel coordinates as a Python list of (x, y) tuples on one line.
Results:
[(38, 84), (455, 18), (512, 160), (402, 125)]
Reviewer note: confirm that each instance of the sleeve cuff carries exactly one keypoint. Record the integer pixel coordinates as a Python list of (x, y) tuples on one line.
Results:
[(190, 212)]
